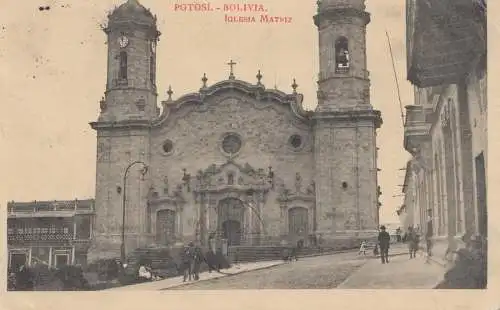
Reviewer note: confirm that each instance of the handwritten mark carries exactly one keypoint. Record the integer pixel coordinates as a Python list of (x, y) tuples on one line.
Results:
[(44, 8)]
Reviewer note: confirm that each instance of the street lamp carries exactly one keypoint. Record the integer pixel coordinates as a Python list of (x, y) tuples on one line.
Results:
[(143, 172)]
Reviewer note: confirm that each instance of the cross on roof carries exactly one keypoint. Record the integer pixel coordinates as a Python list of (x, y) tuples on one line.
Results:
[(231, 64)]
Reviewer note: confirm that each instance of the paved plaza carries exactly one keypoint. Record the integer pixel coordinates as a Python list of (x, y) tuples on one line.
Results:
[(401, 272), (321, 272), (344, 270)]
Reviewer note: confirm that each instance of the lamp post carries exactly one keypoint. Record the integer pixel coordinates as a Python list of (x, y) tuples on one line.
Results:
[(143, 172)]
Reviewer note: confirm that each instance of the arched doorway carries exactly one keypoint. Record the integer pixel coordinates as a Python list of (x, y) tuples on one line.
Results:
[(298, 224), (165, 227), (230, 220), (231, 230)]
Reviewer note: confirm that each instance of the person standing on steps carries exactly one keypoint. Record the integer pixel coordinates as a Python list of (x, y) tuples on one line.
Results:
[(384, 240)]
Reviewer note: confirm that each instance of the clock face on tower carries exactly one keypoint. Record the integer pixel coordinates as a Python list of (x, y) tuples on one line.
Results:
[(123, 41)]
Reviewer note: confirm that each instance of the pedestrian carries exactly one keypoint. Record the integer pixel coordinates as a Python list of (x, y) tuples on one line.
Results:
[(413, 240), (384, 240), (186, 263), (197, 260), (362, 248), (428, 235)]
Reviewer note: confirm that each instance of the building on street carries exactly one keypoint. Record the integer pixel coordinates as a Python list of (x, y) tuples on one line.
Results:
[(446, 126), (53, 233), (235, 160)]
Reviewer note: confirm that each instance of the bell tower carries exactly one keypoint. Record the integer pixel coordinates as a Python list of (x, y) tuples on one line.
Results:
[(345, 125), (123, 128), (132, 36)]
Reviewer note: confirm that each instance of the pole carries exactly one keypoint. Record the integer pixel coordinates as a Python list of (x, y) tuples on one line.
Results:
[(124, 197), (396, 79)]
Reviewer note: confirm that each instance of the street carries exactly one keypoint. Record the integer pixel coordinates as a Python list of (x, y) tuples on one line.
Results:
[(346, 271), (321, 272)]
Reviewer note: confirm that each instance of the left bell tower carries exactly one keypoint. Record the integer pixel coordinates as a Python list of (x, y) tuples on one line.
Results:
[(132, 36), (123, 128)]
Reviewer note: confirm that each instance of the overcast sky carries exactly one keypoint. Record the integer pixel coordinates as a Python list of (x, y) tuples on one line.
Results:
[(53, 73)]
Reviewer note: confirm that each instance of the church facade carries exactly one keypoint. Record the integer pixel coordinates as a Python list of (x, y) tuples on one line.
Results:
[(235, 160)]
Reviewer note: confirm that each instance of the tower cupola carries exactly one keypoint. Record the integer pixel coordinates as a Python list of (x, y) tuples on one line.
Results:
[(132, 11)]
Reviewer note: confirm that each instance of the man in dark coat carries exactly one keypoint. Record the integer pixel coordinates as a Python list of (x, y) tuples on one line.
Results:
[(187, 256), (198, 259), (384, 240)]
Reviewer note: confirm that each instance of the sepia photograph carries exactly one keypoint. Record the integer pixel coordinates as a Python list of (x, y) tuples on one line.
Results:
[(211, 145)]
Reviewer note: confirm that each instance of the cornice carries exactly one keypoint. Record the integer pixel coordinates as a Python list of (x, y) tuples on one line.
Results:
[(334, 12), (262, 98), (350, 115), (125, 124)]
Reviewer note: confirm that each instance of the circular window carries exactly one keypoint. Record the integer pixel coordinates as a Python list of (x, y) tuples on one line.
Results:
[(231, 144), (295, 141), (168, 146)]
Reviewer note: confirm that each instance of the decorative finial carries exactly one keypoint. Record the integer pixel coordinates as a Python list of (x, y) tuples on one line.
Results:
[(294, 86), (231, 74), (204, 80), (169, 92), (259, 77)]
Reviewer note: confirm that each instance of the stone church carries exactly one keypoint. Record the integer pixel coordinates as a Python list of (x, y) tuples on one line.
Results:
[(235, 161)]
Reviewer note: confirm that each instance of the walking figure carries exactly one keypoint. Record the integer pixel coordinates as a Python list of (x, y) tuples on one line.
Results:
[(362, 248), (187, 262), (384, 240), (197, 260), (413, 240)]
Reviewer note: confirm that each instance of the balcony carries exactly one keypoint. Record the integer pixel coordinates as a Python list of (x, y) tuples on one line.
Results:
[(416, 128), (49, 208), (39, 236), (442, 36)]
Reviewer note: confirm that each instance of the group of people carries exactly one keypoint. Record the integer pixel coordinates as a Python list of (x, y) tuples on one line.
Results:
[(412, 237), (191, 259)]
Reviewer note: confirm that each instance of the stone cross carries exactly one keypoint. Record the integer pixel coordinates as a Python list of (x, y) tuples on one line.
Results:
[(231, 64)]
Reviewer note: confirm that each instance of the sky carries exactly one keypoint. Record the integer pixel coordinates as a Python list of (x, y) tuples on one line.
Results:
[(53, 74)]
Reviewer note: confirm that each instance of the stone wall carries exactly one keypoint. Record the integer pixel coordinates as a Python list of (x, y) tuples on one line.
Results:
[(346, 178), (196, 133), (116, 150)]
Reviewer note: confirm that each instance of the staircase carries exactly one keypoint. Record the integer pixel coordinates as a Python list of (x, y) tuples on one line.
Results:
[(164, 261), (273, 252)]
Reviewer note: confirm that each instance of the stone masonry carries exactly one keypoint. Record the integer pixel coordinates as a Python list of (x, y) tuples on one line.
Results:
[(235, 151)]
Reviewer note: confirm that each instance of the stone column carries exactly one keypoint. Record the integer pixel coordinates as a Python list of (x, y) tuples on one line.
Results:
[(73, 255), (29, 255), (284, 219), (50, 256), (178, 225)]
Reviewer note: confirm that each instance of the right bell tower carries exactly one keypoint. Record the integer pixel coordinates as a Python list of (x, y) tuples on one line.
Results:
[(345, 126)]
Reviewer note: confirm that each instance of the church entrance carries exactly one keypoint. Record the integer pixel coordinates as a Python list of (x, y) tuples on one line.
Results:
[(231, 230), (298, 225), (165, 227), (230, 219)]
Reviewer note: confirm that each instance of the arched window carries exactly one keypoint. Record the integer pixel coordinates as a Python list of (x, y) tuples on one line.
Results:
[(123, 66), (230, 178), (341, 55)]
